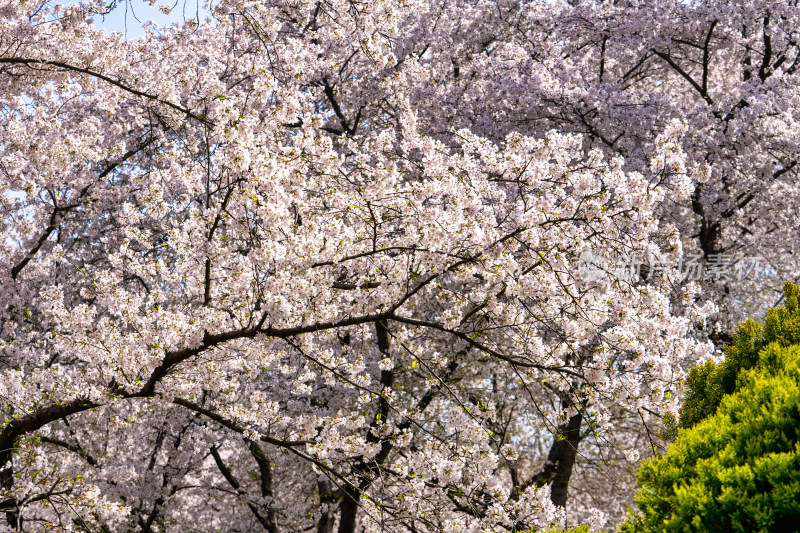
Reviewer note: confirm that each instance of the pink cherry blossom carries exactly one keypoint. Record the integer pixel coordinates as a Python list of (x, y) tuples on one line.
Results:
[(321, 265)]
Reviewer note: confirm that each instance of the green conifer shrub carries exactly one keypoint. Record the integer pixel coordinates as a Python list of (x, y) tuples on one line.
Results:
[(735, 465), (707, 384)]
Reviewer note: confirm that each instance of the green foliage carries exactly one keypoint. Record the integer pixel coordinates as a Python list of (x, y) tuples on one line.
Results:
[(708, 384), (633, 522), (583, 528), (739, 469), (670, 431)]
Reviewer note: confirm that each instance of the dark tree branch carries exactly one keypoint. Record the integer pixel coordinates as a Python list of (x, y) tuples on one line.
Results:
[(59, 212), (706, 58), (233, 482), (265, 471), (33, 63), (763, 70), (350, 130)]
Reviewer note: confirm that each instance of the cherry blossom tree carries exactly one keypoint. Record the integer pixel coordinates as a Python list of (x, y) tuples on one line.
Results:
[(619, 73), (322, 265)]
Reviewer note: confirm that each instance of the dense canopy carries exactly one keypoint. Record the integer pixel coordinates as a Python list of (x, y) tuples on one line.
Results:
[(399, 265)]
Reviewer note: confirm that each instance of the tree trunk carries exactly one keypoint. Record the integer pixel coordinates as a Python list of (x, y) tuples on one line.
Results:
[(326, 499), (349, 513), (569, 450), (560, 460)]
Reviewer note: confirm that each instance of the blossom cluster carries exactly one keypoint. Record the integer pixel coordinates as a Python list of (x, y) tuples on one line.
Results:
[(319, 264)]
